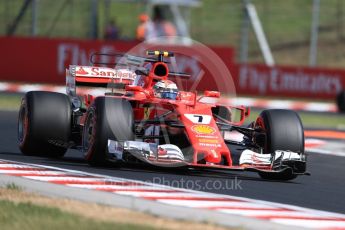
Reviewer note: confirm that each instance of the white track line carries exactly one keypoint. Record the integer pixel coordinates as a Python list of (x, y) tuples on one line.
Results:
[(66, 178), (33, 172), (269, 211), (311, 224), (114, 187)]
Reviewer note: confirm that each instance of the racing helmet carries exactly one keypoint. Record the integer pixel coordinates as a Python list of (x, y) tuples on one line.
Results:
[(165, 89)]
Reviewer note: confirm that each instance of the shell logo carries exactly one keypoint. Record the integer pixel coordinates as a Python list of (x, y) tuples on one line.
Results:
[(203, 129)]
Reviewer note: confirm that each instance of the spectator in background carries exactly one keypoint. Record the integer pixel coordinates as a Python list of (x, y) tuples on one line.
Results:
[(143, 28), (159, 26), (111, 32)]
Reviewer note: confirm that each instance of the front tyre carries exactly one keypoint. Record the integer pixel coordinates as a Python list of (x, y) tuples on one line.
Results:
[(107, 118), (284, 131)]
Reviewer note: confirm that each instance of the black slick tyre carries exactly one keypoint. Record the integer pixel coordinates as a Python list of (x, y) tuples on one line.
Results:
[(44, 124), (284, 131), (107, 119)]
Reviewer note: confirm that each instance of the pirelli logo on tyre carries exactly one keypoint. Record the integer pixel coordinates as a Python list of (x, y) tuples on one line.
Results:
[(203, 129)]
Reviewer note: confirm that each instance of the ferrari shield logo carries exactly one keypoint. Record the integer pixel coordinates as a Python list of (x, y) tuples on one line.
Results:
[(147, 112)]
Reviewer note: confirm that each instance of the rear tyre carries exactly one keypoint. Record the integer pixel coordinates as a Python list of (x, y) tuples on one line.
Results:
[(107, 118), (284, 131), (44, 124)]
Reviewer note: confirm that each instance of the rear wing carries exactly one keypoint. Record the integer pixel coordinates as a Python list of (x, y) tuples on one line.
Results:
[(96, 76)]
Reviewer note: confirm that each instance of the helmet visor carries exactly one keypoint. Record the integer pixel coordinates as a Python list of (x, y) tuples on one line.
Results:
[(169, 95)]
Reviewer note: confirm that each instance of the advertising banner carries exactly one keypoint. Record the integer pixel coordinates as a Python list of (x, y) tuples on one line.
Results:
[(287, 81), (43, 60)]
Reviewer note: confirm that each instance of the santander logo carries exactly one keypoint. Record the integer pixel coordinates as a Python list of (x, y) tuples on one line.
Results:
[(104, 72), (81, 71)]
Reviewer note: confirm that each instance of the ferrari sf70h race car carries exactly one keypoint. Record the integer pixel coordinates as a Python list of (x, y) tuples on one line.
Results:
[(150, 121)]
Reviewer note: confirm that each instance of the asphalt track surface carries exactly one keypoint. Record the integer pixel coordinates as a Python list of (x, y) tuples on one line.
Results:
[(323, 190)]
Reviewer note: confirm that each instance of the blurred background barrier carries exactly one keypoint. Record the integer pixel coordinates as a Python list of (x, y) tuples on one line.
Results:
[(43, 60), (40, 38), (289, 81), (287, 24)]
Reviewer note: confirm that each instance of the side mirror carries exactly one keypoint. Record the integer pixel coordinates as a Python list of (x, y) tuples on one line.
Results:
[(247, 112)]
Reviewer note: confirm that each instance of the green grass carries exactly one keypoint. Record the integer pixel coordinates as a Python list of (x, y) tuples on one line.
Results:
[(216, 21), (336, 121), (13, 186), (22, 216), (313, 120), (285, 23), (10, 101)]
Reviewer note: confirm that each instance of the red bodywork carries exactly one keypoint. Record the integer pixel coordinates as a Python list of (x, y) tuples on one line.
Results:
[(205, 137)]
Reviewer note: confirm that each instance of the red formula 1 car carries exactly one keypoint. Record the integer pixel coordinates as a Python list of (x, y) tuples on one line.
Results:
[(151, 121)]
